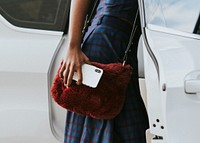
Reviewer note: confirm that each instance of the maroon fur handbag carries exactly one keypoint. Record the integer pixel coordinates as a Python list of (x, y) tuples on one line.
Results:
[(103, 102), (107, 99)]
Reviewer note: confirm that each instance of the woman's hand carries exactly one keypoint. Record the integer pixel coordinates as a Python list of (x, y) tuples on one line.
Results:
[(73, 62), (75, 57)]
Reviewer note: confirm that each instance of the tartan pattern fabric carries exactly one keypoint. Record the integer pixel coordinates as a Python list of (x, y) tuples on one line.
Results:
[(104, 42), (117, 8)]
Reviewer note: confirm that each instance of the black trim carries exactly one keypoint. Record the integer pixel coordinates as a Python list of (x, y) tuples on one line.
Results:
[(59, 24), (197, 26), (143, 25)]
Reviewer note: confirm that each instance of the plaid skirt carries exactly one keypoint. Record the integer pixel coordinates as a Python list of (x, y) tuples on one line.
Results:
[(105, 42)]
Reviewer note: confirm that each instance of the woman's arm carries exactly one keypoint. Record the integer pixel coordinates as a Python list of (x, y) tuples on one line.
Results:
[(78, 13), (74, 56)]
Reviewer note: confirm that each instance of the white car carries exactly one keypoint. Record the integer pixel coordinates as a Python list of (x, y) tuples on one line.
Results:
[(32, 42), (171, 51), (33, 38)]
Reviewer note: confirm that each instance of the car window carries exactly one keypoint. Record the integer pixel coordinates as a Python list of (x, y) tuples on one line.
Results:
[(39, 14), (180, 15)]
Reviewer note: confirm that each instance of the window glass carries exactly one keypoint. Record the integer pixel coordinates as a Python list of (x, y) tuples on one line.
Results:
[(177, 14), (40, 14)]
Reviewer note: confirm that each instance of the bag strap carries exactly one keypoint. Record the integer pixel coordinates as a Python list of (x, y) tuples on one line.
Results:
[(89, 16), (134, 28)]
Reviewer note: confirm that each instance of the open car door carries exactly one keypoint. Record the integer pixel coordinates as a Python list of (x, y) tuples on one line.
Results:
[(171, 45)]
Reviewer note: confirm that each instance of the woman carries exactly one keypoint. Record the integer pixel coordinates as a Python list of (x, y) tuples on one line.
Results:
[(104, 42)]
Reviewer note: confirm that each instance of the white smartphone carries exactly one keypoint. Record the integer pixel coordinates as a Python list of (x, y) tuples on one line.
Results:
[(91, 75)]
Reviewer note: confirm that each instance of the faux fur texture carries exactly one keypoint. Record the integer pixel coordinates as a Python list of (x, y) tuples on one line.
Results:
[(103, 102)]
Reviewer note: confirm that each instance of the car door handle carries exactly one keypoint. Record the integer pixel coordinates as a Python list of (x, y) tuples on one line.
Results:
[(192, 86), (192, 83)]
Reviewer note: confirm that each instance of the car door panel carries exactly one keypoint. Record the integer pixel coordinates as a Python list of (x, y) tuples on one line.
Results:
[(175, 109), (171, 45), (25, 58), (28, 53)]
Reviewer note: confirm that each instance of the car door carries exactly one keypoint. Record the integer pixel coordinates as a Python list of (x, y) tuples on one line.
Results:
[(31, 43), (171, 43)]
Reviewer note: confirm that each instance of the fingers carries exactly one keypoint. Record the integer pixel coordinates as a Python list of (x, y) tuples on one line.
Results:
[(87, 60), (67, 73), (80, 76), (62, 69), (70, 75), (71, 65)]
